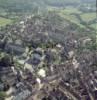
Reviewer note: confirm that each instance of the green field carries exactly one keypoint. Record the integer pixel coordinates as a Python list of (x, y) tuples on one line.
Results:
[(72, 19), (4, 21), (88, 16), (69, 13), (2, 95), (70, 10), (94, 25)]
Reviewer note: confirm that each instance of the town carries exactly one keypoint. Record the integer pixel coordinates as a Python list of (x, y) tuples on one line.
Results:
[(48, 50), (36, 64)]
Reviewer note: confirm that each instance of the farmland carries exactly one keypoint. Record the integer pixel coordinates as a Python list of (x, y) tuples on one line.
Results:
[(76, 16), (4, 21), (88, 16), (79, 12)]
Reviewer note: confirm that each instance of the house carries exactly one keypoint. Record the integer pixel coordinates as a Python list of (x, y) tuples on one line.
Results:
[(36, 58), (22, 95), (2, 45), (49, 56), (14, 48), (1, 86), (42, 73), (7, 75)]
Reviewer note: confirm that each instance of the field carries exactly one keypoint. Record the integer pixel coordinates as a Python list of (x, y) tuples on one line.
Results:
[(78, 17), (72, 18), (4, 21), (71, 13), (69, 10), (88, 16), (94, 25)]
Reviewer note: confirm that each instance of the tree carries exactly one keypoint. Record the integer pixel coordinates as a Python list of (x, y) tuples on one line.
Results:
[(5, 61)]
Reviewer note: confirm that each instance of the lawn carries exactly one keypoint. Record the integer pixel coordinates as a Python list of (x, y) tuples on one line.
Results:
[(70, 10), (72, 18), (4, 21), (94, 25), (68, 14), (2, 95), (88, 16)]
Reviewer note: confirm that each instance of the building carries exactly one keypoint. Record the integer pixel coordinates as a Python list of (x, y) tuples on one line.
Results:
[(14, 48), (7, 76), (35, 59), (22, 95)]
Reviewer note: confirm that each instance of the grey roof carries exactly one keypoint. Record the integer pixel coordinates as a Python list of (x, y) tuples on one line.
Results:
[(16, 49)]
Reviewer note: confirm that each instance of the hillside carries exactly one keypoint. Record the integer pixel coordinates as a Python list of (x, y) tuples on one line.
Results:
[(76, 11), (48, 50), (43, 51)]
